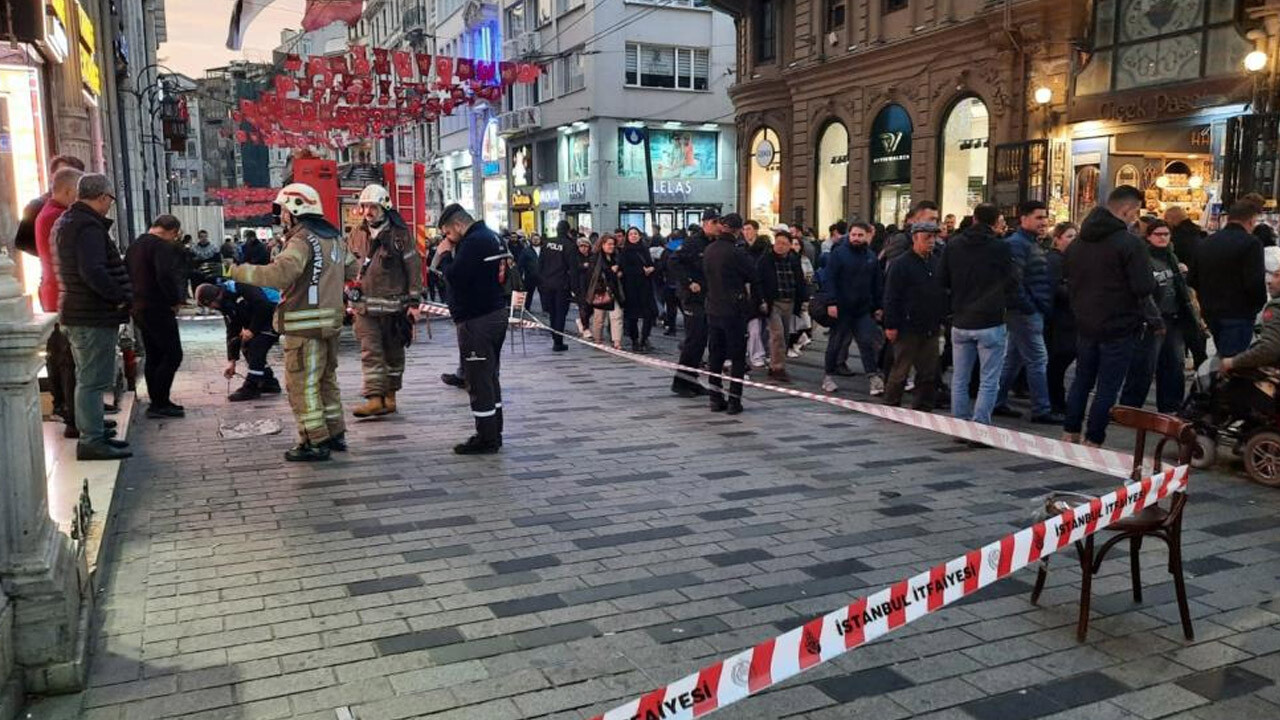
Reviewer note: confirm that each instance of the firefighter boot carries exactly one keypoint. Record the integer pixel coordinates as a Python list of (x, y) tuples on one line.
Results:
[(373, 406), (247, 391), (389, 402)]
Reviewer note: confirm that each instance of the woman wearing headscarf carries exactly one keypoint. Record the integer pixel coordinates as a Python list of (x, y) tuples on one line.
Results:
[(639, 307)]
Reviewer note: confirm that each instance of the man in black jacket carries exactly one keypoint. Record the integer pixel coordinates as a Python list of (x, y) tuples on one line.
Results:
[(977, 269), (1230, 279), (914, 307), (155, 269), (731, 279), (247, 311), (479, 310), (784, 291), (94, 301), (690, 280), (254, 251), (1109, 280), (557, 269)]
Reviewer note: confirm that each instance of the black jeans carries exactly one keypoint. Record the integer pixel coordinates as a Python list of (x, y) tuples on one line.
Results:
[(62, 375), (727, 340), (556, 304), (670, 306), (163, 345), (695, 342), (480, 341)]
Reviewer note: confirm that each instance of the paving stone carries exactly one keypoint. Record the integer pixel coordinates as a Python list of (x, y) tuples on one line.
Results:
[(385, 584), (420, 640), (866, 683), (1224, 683), (738, 557), (628, 538), (527, 605)]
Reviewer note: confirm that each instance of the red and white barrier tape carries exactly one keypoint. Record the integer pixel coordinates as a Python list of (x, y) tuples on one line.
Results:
[(1107, 462), (865, 619)]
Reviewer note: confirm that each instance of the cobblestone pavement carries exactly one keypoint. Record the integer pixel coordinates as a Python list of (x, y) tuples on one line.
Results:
[(623, 538)]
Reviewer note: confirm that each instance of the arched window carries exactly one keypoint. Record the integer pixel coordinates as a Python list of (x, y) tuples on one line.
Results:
[(964, 152), (832, 175), (764, 188)]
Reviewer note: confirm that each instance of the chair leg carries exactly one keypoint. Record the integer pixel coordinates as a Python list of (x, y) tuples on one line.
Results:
[(1179, 585), (1041, 576), (1135, 545), (1085, 551)]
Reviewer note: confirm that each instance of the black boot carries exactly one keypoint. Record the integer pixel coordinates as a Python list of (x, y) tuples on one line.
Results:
[(475, 446), (337, 443), (269, 385), (247, 391), (306, 452), (734, 406), (453, 380), (718, 403)]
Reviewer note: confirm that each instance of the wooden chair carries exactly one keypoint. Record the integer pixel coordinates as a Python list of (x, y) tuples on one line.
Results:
[(1164, 523)]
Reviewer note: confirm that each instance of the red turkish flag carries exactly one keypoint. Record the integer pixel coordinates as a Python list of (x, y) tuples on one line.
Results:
[(486, 71), (508, 71), (360, 60), (315, 66), (404, 64), (466, 68), (323, 12), (424, 65), (292, 62), (528, 73), (380, 64), (444, 70)]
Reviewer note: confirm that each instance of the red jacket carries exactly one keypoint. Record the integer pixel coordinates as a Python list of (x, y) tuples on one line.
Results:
[(49, 214)]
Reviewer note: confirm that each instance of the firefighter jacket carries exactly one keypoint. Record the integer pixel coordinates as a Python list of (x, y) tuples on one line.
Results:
[(309, 272), (390, 274)]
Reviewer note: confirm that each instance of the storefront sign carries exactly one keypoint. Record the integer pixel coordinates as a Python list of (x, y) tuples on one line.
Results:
[(575, 192), (764, 153), (56, 43), (547, 197), (891, 146), (1179, 138), (521, 201), (90, 74), (521, 165), (672, 190), (1160, 105)]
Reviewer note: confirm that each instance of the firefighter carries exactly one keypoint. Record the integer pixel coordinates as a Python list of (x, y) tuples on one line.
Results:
[(388, 301), (310, 272), (248, 312)]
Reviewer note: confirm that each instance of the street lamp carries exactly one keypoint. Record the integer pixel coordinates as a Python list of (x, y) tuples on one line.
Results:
[(1043, 95), (1255, 61)]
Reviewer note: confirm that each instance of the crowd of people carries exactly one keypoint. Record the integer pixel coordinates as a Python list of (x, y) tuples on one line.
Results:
[(1008, 304)]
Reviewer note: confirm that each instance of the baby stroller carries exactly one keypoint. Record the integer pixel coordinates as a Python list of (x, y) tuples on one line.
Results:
[(1239, 410)]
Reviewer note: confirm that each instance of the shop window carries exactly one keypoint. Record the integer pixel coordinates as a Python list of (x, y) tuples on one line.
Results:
[(564, 6), (656, 66), (832, 174), (765, 24), (577, 155), (673, 155), (1021, 173), (835, 15), (1141, 43), (965, 148), (765, 198)]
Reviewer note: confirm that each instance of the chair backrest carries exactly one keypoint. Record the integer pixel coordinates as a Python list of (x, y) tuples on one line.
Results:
[(1167, 427), (518, 299)]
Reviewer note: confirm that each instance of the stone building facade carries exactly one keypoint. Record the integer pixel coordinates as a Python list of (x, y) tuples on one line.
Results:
[(855, 108)]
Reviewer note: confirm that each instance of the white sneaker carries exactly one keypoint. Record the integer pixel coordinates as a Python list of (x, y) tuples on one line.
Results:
[(829, 385), (804, 341), (793, 353), (877, 386), (911, 385), (757, 363)]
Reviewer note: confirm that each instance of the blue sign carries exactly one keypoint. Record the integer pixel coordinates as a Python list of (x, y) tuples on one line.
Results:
[(490, 168), (634, 135)]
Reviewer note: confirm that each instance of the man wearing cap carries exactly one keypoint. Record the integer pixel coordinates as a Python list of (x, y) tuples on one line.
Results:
[(731, 283), (247, 312), (309, 272), (387, 305), (690, 281), (914, 307), (479, 310)]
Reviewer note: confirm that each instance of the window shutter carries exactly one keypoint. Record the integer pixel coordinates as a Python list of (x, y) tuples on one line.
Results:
[(684, 68), (701, 67), (632, 64)]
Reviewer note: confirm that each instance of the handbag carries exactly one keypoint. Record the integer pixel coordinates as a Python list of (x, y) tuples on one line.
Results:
[(602, 299)]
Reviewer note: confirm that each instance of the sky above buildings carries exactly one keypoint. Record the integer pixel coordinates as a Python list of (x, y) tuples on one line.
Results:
[(198, 33)]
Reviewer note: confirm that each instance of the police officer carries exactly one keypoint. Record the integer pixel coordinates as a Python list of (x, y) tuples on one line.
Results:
[(731, 289), (479, 311), (390, 282), (248, 312), (690, 281), (310, 272), (557, 277)]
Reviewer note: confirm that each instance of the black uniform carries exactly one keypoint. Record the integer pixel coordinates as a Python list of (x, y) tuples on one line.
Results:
[(478, 308), (731, 278), (686, 269), (248, 307), (557, 267)]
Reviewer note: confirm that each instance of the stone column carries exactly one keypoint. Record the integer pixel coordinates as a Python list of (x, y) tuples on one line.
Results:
[(43, 576)]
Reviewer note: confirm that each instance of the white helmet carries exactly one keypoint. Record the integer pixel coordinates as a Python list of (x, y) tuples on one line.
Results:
[(375, 194), (299, 199)]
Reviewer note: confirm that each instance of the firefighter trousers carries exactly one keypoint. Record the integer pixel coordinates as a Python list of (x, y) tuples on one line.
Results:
[(480, 341), (381, 353), (311, 381)]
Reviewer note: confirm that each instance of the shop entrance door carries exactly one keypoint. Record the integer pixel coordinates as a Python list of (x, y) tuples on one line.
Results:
[(892, 203)]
